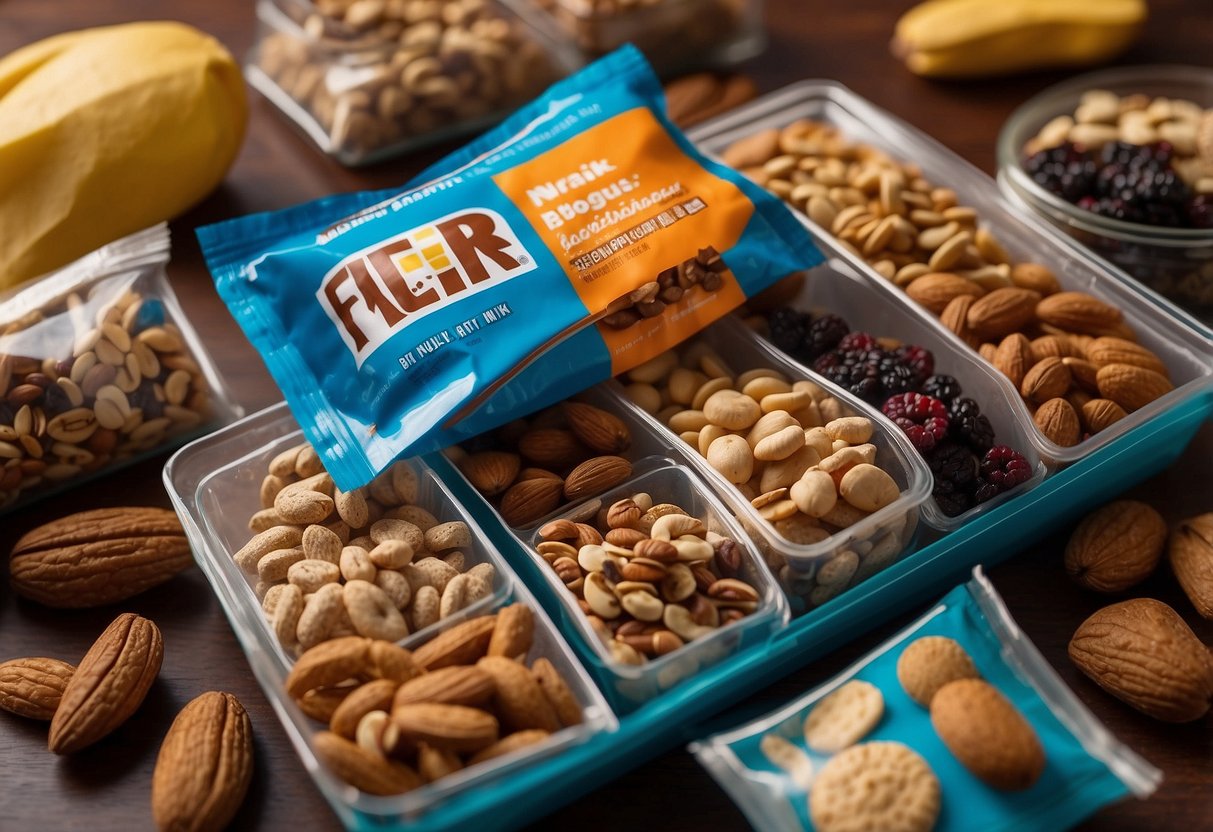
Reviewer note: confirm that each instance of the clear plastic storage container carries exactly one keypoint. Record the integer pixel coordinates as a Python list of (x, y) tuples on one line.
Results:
[(368, 80), (839, 289), (878, 539), (213, 484), (1187, 352), (635, 684), (675, 35)]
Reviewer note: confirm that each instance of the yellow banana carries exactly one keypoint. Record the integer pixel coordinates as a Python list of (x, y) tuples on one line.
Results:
[(976, 38)]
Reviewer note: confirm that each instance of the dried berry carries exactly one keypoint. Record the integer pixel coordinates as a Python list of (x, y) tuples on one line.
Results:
[(924, 419), (1002, 469), (918, 359), (970, 426), (944, 388)]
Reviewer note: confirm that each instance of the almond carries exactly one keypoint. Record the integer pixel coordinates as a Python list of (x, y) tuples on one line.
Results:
[(752, 151), (1013, 357), (1049, 346), (1143, 653), (552, 447), (514, 632), (364, 770), (33, 687), (519, 699), (446, 727), (556, 689), (1058, 422), (508, 745), (99, 557), (1130, 386), (457, 685), (108, 685), (1107, 350), (1048, 379), (987, 734), (490, 472), (1078, 312), (462, 644), (529, 500), (204, 766), (1191, 556), (1098, 414), (1083, 372), (1002, 311), (937, 289), (1116, 546), (955, 318), (1036, 277), (595, 476), (603, 432)]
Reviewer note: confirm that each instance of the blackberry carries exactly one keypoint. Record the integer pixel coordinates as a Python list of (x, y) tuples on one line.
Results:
[(954, 469), (1002, 469), (824, 334), (896, 377), (853, 341), (1066, 170), (789, 329), (918, 359), (969, 425), (950, 500), (944, 388), (860, 378), (924, 419)]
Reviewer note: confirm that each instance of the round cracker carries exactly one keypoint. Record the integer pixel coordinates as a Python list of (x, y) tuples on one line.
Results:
[(844, 717), (876, 785), (931, 662)]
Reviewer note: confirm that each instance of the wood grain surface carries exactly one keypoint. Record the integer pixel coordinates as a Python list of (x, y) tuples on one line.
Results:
[(107, 787)]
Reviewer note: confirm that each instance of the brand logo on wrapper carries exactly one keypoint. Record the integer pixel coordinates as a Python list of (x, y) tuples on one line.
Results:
[(376, 292)]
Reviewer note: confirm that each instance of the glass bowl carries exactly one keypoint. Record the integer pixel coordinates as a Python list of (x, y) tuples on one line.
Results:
[(1177, 263)]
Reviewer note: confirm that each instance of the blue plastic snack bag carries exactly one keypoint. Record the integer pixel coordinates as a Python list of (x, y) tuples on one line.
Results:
[(580, 238), (770, 769)]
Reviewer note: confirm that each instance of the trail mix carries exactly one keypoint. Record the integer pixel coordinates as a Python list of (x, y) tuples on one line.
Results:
[(947, 427)]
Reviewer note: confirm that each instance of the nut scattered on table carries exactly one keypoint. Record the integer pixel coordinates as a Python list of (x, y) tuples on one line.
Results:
[(371, 562), (1117, 546), (1191, 555), (88, 382), (32, 687), (400, 719)]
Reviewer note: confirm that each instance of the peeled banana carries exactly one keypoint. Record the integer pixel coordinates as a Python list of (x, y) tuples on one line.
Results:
[(978, 38), (106, 131)]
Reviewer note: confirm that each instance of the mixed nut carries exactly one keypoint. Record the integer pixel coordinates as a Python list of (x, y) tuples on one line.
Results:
[(1075, 360), (379, 73), (370, 562), (89, 381), (649, 577), (398, 719)]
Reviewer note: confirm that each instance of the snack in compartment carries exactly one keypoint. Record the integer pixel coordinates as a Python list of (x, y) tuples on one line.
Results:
[(1076, 361), (400, 719), (971, 714), (375, 77), (98, 368)]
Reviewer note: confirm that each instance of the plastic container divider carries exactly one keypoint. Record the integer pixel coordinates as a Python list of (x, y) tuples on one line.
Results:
[(1187, 351)]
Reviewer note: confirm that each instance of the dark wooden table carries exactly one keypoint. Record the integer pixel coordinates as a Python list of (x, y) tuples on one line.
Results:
[(107, 787)]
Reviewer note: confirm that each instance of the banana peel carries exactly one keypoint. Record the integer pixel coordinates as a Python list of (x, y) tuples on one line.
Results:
[(981, 38), (107, 131)]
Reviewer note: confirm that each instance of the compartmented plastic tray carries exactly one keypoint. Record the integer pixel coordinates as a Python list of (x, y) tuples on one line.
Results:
[(214, 483), (839, 289), (1187, 352)]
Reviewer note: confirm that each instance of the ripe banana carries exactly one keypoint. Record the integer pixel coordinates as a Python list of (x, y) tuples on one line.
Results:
[(977, 38)]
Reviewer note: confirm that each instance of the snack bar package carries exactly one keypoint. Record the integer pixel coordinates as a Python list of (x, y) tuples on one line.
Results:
[(956, 723), (580, 238)]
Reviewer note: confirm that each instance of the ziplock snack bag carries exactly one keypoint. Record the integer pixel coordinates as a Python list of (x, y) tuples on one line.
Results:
[(580, 238), (955, 723), (98, 369)]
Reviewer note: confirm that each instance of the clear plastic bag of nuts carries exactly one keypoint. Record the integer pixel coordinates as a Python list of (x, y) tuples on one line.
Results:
[(366, 79), (98, 369)]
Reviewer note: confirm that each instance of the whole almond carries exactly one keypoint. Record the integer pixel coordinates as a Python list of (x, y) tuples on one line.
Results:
[(518, 698), (1116, 546), (936, 290), (1047, 379), (1055, 346), (1078, 312), (1130, 386), (99, 557), (989, 736), (204, 766), (552, 448), (514, 632), (1143, 653), (595, 476), (462, 644), (1083, 372), (1108, 350), (1014, 357), (33, 687), (1058, 421), (1098, 414), (529, 500), (1191, 556), (448, 727), (1036, 277), (955, 317), (491, 472), (455, 685), (601, 431), (109, 684), (365, 770), (753, 150), (1002, 312)]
